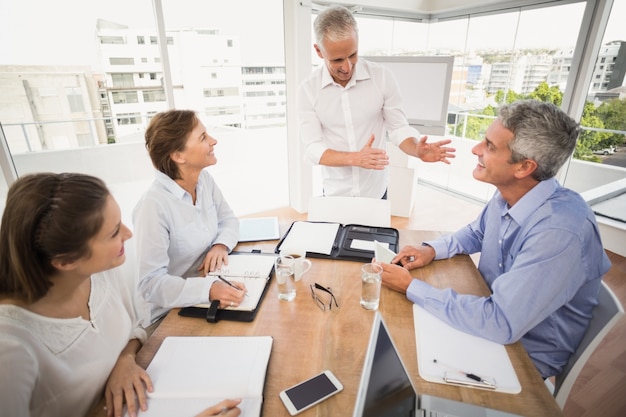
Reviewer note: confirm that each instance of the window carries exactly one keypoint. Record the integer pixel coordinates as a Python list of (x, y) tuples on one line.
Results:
[(514, 58), (120, 97), (221, 92), (121, 61), (112, 40), (122, 80), (128, 119), (488, 48), (75, 99), (153, 95)]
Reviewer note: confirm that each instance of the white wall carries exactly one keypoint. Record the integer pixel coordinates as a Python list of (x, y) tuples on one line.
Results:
[(251, 170)]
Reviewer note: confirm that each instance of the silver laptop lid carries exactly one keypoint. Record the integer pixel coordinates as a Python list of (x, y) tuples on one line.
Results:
[(385, 389)]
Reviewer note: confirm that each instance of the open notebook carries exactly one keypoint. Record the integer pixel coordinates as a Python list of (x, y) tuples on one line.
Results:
[(190, 374), (254, 270), (386, 388)]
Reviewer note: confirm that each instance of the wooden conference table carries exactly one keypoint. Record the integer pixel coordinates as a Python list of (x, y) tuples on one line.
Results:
[(308, 340)]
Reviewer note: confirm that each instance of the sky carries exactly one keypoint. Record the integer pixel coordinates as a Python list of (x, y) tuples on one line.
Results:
[(29, 35)]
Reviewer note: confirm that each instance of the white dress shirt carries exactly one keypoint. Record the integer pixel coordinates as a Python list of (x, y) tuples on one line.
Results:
[(171, 236), (58, 367), (344, 118)]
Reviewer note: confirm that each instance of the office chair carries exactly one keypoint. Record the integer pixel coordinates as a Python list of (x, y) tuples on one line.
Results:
[(605, 315)]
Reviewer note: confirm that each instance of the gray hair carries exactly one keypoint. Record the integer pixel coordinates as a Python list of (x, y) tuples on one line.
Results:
[(542, 132), (334, 23)]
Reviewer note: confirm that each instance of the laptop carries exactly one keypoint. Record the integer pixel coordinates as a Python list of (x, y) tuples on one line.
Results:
[(386, 389)]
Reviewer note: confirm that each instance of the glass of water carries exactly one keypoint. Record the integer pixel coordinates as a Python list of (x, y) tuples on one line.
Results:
[(371, 277), (284, 266)]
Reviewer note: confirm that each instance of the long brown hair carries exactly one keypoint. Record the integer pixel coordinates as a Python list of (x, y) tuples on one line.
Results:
[(47, 216)]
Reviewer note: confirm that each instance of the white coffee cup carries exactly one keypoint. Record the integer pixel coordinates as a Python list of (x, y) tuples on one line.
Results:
[(302, 265)]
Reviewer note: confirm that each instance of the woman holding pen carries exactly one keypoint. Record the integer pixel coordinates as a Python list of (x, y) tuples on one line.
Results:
[(184, 227)]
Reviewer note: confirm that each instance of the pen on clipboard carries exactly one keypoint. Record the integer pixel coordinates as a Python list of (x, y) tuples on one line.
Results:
[(468, 374), (227, 282)]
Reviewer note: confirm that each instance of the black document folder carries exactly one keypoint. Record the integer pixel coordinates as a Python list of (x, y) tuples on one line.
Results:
[(255, 271), (350, 242)]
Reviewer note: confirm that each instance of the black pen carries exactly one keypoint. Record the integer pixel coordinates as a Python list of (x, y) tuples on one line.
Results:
[(467, 374), (227, 282)]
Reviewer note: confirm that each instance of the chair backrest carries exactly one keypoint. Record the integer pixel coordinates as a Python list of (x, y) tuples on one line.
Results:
[(605, 315), (350, 210)]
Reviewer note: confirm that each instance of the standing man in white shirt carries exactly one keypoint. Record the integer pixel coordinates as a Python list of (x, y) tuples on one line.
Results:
[(345, 108)]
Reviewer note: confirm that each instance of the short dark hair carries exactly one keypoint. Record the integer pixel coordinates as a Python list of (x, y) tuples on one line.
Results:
[(167, 133), (543, 132), (47, 216)]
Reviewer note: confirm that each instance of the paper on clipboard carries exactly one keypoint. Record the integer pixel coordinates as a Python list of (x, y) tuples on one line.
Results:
[(382, 253), (457, 350)]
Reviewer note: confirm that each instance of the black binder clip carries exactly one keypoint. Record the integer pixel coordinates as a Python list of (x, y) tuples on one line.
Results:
[(211, 314)]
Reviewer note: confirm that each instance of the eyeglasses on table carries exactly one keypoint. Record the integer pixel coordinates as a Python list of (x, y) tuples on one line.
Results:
[(319, 301)]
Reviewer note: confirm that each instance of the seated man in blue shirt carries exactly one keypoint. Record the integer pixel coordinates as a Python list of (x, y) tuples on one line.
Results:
[(540, 248)]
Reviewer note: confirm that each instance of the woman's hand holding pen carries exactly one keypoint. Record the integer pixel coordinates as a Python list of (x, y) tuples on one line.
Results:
[(226, 408), (229, 295)]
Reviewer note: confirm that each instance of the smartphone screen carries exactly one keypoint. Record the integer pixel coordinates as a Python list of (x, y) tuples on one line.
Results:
[(310, 392)]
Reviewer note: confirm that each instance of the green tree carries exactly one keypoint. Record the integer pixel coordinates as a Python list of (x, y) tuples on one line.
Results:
[(613, 115), (543, 92), (511, 96), (473, 126), (589, 140), (610, 115)]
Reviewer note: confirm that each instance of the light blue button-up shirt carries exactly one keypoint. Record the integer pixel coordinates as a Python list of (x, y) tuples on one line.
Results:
[(543, 261), (171, 233)]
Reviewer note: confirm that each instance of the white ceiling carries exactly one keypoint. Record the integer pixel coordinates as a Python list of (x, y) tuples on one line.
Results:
[(437, 8)]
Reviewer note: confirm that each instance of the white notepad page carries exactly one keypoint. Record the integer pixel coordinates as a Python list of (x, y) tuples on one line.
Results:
[(311, 237), (253, 270), (456, 350), (192, 373)]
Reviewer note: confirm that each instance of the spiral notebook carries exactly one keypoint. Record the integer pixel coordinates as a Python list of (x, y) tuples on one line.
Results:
[(254, 270)]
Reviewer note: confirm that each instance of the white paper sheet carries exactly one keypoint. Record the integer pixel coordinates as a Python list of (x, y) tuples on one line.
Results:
[(456, 350), (190, 373), (312, 237)]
